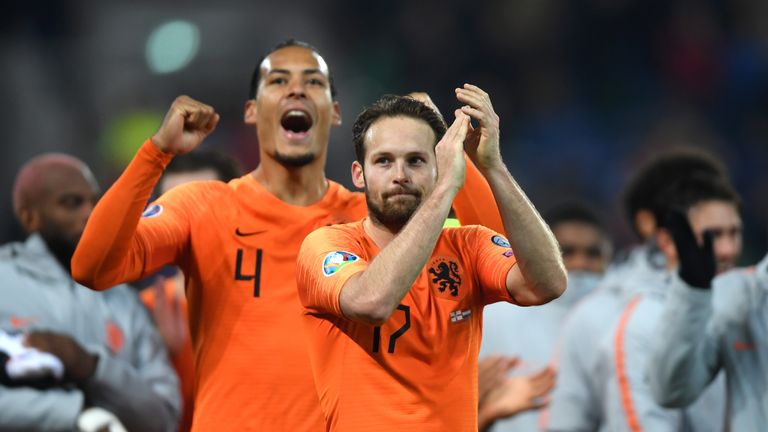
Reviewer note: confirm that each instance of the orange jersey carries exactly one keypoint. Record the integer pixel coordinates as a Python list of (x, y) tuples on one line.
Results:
[(418, 371), (183, 361), (237, 245)]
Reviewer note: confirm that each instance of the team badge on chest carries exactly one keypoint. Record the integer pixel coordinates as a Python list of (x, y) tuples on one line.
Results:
[(445, 277)]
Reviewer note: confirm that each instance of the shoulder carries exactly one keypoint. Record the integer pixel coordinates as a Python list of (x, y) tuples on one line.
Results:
[(335, 234), (593, 311), (735, 293), (192, 197), (204, 187), (339, 196), (192, 193), (9, 251), (645, 313), (475, 233)]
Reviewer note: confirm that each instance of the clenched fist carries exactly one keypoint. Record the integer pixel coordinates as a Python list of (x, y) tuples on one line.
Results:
[(187, 123)]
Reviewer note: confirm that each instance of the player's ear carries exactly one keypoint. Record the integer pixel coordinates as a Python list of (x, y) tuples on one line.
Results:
[(29, 220), (249, 116), (666, 244), (358, 176), (336, 114), (646, 223)]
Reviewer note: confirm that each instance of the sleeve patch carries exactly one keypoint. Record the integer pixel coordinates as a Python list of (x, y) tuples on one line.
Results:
[(335, 261), (152, 211), (500, 241)]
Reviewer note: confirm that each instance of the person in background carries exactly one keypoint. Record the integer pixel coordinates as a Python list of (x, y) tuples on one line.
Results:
[(704, 334), (577, 403), (586, 251), (102, 363), (714, 207)]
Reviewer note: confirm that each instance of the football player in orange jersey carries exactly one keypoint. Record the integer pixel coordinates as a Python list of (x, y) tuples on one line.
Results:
[(393, 303), (237, 243)]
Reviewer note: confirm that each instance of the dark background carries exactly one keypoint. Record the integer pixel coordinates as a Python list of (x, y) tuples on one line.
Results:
[(586, 90)]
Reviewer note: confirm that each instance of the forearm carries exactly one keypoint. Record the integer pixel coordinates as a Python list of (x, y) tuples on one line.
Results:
[(101, 259), (537, 252), (474, 203), (374, 295)]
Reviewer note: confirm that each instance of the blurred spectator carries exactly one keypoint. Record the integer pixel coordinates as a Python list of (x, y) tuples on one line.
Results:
[(115, 370), (586, 251), (714, 207), (577, 401), (711, 326)]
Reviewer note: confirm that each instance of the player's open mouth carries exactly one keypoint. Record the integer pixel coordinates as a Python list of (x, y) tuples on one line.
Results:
[(296, 123)]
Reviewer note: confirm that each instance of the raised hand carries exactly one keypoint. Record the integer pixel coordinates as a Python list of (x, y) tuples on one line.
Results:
[(449, 153), (186, 124), (698, 265), (491, 373), (518, 394), (79, 364), (482, 143)]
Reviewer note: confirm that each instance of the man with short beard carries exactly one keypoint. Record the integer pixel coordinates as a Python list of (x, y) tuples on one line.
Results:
[(113, 358), (393, 303), (237, 242)]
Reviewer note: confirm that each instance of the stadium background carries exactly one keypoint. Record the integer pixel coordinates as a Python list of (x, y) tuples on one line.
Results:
[(586, 90)]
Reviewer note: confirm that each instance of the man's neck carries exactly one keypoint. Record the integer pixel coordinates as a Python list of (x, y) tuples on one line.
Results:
[(379, 233), (299, 186)]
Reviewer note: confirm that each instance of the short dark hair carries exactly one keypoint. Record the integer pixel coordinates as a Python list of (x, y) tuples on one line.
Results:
[(394, 106), (662, 171), (573, 212), (226, 167), (687, 192), (256, 76)]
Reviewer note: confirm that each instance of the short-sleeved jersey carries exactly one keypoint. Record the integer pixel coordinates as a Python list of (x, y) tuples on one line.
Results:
[(417, 371), (237, 246)]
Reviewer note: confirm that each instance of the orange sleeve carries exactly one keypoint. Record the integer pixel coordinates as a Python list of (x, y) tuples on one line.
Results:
[(115, 247), (474, 203), (327, 259), (493, 260)]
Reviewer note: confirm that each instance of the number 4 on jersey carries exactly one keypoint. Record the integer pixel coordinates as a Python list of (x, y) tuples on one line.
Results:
[(255, 277)]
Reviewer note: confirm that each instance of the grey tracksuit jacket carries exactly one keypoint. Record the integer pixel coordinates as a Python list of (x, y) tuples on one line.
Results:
[(134, 379)]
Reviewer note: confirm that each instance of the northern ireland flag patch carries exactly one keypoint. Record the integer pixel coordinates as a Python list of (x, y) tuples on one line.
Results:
[(460, 315)]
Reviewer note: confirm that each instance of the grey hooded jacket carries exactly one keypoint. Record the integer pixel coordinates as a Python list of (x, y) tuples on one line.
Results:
[(133, 379)]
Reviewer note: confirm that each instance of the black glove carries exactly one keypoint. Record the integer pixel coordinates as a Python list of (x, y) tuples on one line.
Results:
[(697, 262)]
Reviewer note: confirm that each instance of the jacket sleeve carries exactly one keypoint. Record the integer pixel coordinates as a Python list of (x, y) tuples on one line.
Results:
[(24, 408), (142, 392), (686, 359)]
